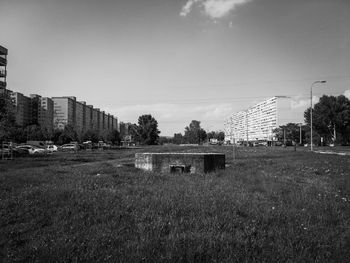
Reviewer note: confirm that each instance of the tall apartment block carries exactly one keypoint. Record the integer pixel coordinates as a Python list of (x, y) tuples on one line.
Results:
[(64, 112), (79, 117), (259, 121), (3, 64), (88, 117), (34, 110), (23, 111), (46, 113), (96, 119), (67, 110)]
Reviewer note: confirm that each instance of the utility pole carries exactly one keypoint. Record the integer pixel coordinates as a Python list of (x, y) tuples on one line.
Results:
[(311, 137), (234, 149), (247, 128)]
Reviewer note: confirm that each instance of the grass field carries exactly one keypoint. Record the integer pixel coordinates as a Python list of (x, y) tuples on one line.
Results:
[(269, 204)]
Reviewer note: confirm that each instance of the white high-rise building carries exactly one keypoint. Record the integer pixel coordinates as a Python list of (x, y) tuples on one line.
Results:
[(259, 121)]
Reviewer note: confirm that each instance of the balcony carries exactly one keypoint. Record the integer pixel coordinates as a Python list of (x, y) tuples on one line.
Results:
[(3, 61), (2, 73), (2, 85), (3, 51)]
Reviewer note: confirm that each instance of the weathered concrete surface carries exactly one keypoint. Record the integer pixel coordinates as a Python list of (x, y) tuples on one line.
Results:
[(180, 162)]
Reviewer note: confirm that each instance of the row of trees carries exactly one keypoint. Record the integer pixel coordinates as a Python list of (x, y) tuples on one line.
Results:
[(195, 134), (331, 123), (146, 133)]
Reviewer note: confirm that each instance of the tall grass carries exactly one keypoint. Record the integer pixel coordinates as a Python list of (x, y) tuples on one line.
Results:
[(268, 205)]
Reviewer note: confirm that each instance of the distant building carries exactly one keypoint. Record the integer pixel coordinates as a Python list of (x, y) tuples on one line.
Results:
[(46, 113), (96, 119), (69, 111), (64, 112), (115, 125), (125, 133), (259, 121), (3, 67), (34, 108), (101, 120), (22, 106), (79, 118), (106, 122), (88, 117)]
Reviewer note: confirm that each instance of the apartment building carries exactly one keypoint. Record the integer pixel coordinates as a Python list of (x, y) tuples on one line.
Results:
[(46, 113), (80, 117), (89, 117), (64, 112), (101, 120), (115, 125), (259, 121), (3, 65), (106, 122), (57, 112), (22, 105), (96, 119)]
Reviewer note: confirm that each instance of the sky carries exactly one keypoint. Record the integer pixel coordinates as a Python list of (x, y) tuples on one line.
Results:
[(178, 60)]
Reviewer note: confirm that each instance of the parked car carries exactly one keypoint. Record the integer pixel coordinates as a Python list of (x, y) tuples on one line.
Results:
[(51, 148), (8, 150), (69, 147), (32, 149)]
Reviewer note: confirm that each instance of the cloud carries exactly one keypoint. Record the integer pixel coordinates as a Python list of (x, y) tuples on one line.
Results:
[(220, 8), (303, 104), (186, 9), (347, 93), (212, 8)]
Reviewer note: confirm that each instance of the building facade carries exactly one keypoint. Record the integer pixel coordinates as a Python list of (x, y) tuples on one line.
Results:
[(64, 112), (3, 67), (69, 111), (88, 117), (45, 113), (258, 122), (79, 118), (22, 105)]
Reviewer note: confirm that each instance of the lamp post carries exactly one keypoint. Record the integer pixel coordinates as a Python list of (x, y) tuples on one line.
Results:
[(315, 82)]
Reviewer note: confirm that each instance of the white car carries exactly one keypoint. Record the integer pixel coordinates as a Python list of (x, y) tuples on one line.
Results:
[(69, 147), (51, 148), (32, 149)]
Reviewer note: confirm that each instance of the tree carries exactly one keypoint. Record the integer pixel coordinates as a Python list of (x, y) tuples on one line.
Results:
[(178, 138), (219, 135), (68, 135), (91, 135), (147, 130), (36, 133), (290, 132), (331, 118), (194, 133), (114, 137)]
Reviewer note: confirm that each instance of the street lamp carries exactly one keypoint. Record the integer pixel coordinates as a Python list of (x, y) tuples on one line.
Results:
[(300, 135), (315, 82)]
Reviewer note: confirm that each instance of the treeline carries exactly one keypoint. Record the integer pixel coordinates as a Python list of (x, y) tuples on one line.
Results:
[(194, 134), (330, 122)]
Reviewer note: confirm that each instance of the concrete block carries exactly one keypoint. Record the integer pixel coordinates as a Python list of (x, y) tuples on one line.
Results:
[(180, 162)]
